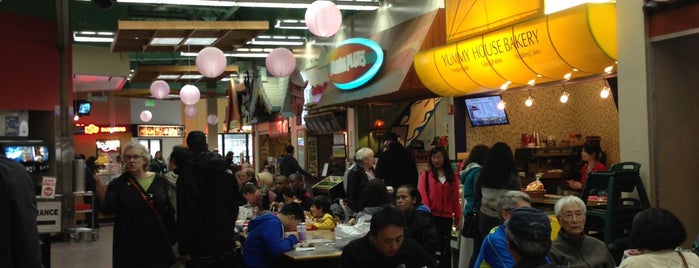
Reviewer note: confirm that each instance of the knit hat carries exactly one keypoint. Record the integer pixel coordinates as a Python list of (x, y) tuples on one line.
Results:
[(529, 224)]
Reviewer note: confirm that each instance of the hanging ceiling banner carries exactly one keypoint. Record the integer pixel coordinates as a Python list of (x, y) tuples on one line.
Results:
[(532, 52)]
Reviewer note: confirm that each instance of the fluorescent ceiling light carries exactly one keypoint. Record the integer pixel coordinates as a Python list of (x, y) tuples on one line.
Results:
[(168, 76), (165, 41), (191, 76), (91, 37), (291, 24), (276, 43), (201, 41)]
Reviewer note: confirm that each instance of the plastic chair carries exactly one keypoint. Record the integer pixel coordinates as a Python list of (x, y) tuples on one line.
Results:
[(612, 222)]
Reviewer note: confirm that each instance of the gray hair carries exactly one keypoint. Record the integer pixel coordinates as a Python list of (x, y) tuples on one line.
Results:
[(144, 152), (509, 199), (363, 153), (570, 199)]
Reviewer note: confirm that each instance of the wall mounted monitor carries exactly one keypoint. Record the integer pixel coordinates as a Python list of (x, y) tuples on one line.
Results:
[(83, 107), (484, 111)]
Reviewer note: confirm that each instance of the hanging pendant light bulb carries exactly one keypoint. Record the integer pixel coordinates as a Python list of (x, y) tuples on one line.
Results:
[(76, 118), (564, 97), (605, 92), (529, 101), (501, 105)]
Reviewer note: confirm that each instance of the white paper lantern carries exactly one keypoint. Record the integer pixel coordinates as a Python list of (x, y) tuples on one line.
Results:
[(189, 94), (212, 119), (159, 89), (145, 116), (190, 111), (211, 62), (280, 62), (323, 18)]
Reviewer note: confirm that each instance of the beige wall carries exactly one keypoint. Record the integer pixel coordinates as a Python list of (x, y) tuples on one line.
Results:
[(585, 113)]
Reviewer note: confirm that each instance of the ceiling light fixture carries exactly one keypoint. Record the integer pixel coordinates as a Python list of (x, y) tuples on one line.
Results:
[(605, 92), (564, 97), (291, 24), (530, 101), (505, 85), (93, 37), (165, 41), (345, 5)]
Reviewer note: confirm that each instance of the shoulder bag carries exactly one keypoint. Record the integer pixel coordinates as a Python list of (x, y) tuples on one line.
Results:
[(469, 227)]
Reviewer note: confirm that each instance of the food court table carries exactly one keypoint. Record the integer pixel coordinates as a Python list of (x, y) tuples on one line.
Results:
[(320, 252)]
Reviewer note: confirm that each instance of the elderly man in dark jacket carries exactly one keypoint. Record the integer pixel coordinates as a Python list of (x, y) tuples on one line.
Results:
[(396, 166)]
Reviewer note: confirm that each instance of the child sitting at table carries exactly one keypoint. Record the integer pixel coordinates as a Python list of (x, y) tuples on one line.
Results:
[(319, 209), (266, 242)]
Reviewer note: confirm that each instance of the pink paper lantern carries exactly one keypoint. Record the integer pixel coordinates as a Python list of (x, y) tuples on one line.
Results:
[(145, 116), (212, 119), (323, 18), (159, 89), (189, 94), (190, 111), (280, 62), (211, 62)]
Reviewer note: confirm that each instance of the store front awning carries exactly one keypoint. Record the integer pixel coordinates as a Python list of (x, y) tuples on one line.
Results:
[(397, 79), (573, 43)]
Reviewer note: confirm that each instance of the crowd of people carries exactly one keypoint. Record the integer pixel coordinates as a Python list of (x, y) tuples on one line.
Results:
[(184, 213)]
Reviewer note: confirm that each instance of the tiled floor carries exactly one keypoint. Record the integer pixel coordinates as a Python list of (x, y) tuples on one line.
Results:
[(85, 253)]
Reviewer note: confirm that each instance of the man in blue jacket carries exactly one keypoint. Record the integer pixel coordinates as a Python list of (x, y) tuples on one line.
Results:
[(266, 241), (494, 252)]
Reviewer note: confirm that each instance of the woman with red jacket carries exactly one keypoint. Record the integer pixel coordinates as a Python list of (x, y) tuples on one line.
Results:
[(439, 189)]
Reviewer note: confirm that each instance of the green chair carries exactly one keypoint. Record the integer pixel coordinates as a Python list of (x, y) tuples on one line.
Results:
[(612, 222)]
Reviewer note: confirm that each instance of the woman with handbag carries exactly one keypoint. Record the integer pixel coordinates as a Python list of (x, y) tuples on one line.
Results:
[(470, 233), (144, 218)]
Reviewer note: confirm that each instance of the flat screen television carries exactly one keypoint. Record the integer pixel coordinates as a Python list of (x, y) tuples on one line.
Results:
[(20, 153), (83, 107), (41, 153), (484, 111)]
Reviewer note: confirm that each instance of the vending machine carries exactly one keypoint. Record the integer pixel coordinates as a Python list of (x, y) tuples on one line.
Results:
[(32, 154)]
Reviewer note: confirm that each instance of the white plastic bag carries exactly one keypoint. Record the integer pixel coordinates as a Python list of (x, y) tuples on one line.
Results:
[(345, 233)]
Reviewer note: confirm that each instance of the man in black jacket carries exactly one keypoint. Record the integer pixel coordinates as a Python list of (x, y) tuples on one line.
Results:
[(396, 165), (207, 193), (288, 164), (385, 245), (19, 238)]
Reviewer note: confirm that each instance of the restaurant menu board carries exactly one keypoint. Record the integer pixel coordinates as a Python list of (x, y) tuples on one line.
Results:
[(160, 131), (312, 153)]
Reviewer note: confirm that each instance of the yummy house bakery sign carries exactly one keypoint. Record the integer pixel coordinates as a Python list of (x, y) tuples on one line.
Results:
[(354, 62)]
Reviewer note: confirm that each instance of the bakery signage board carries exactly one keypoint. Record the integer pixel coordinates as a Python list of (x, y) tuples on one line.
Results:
[(354, 62)]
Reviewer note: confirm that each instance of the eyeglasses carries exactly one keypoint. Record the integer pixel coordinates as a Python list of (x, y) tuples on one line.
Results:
[(131, 157), (571, 217)]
